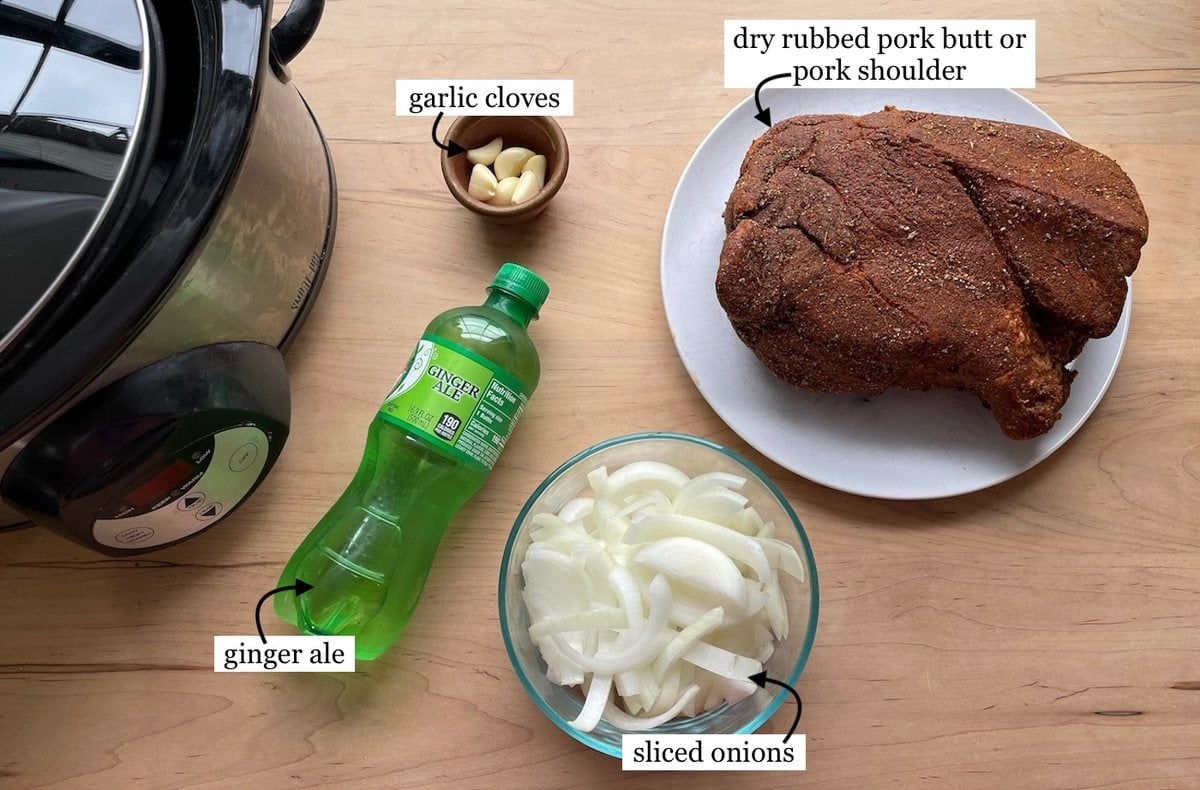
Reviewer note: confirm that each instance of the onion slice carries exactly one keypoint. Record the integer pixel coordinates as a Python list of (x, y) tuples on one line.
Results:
[(643, 650), (721, 662), (576, 510), (622, 720), (736, 546), (783, 557), (595, 703), (594, 619), (630, 597), (643, 477), (702, 627), (704, 568)]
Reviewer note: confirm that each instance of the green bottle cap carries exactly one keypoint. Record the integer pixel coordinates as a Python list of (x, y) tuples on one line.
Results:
[(522, 283)]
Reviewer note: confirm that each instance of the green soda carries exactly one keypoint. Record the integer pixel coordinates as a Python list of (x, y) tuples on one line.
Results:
[(429, 449)]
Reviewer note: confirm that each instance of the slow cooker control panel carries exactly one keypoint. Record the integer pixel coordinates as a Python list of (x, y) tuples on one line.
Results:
[(160, 454), (187, 493)]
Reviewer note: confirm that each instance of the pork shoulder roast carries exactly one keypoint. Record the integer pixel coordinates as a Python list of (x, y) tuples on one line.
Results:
[(923, 251)]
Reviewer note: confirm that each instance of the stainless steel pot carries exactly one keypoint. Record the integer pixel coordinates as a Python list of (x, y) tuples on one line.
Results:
[(173, 240)]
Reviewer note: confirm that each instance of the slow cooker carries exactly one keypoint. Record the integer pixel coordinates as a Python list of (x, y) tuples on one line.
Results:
[(167, 210)]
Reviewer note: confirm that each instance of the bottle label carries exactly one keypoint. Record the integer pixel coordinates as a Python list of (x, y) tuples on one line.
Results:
[(457, 400)]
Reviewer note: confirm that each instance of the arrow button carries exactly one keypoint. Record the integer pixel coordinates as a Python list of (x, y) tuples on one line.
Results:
[(191, 501), (211, 511)]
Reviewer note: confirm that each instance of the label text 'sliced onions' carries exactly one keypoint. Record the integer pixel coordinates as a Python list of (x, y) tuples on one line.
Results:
[(661, 591)]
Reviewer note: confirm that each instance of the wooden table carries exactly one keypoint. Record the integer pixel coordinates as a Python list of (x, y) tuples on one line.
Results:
[(1043, 633)]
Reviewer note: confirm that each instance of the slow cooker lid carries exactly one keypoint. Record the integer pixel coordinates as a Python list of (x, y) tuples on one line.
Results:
[(73, 98)]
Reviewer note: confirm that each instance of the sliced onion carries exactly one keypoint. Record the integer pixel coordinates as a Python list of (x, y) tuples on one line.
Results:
[(776, 609), (622, 720), (547, 525), (744, 638), (748, 522), (662, 588), (703, 568), (629, 684), (669, 692), (783, 557), (594, 619), (685, 612), (576, 510), (709, 481), (630, 597), (561, 536), (593, 706), (598, 480), (734, 545), (714, 697), (735, 690), (642, 477), (554, 585), (655, 500), (720, 506), (700, 628), (651, 689), (559, 669), (711, 496), (720, 661), (608, 523), (643, 650), (597, 564)]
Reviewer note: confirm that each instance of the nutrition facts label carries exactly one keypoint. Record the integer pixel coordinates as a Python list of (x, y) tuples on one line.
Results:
[(490, 425)]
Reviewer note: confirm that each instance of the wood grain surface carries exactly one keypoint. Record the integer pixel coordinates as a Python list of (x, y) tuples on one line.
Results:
[(1044, 633)]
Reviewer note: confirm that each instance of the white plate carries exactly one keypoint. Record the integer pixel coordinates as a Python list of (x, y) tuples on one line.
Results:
[(900, 445)]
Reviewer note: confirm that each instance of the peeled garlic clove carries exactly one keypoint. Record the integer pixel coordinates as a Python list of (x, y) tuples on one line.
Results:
[(504, 191), (527, 187), (483, 183), (536, 164), (510, 161), (486, 154)]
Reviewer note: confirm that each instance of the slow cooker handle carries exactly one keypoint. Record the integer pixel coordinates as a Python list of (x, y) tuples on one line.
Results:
[(297, 26)]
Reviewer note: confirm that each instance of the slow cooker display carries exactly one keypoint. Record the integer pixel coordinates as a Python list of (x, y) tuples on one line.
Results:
[(160, 485)]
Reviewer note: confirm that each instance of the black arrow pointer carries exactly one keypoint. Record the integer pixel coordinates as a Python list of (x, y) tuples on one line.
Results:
[(764, 114), (453, 149), (761, 679), (300, 587)]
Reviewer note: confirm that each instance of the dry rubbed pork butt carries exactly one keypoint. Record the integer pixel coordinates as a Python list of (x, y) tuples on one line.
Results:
[(924, 251)]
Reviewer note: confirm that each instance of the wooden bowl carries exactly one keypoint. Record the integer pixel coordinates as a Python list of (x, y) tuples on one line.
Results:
[(539, 133)]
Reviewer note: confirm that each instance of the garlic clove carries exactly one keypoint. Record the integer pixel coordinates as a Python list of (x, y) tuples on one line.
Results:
[(504, 191), (527, 187), (486, 154), (510, 161), (536, 164), (483, 183)]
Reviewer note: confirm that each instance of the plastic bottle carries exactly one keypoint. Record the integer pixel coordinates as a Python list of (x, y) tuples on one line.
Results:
[(429, 449)]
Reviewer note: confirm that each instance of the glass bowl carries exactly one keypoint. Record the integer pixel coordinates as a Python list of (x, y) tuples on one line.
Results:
[(694, 456)]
